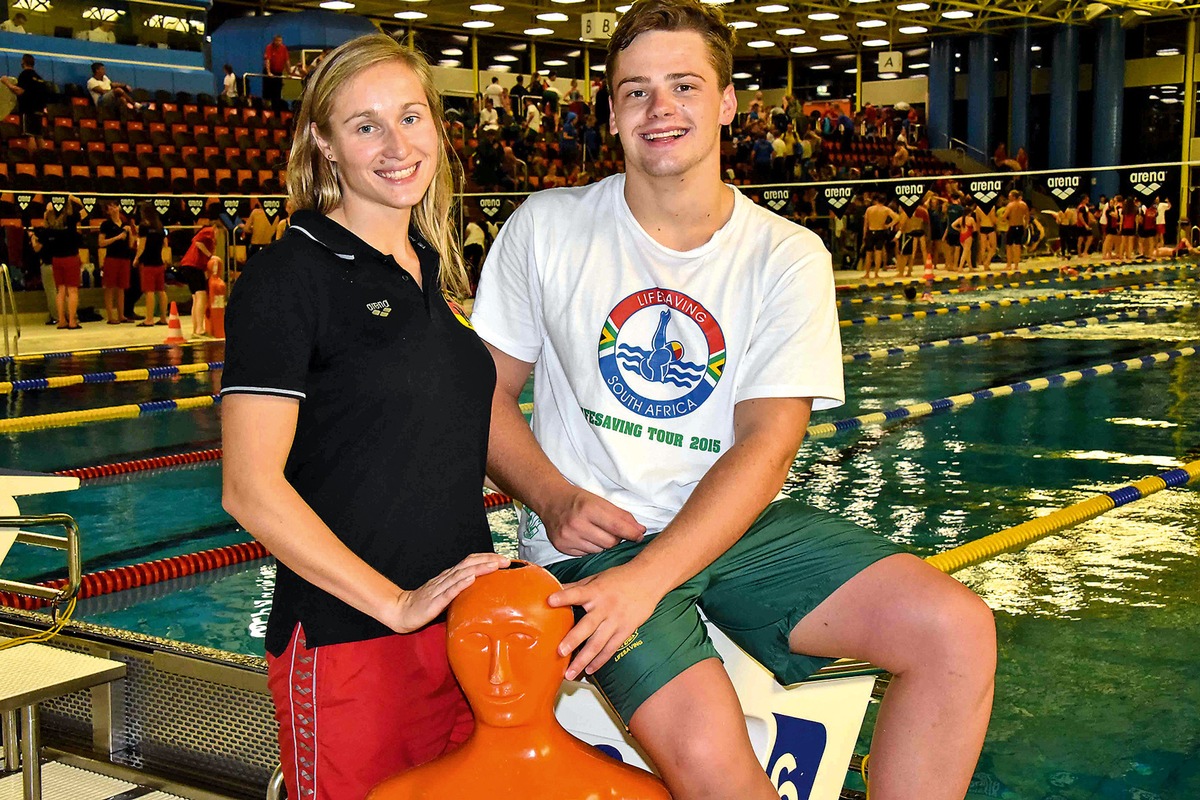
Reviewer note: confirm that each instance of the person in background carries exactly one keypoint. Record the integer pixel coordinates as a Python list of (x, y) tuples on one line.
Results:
[(259, 231), (276, 61), (63, 229), (103, 33), (152, 272), (117, 238), (14, 25), (473, 241), (32, 93), (355, 407), (106, 92), (229, 87), (489, 118), (195, 271), (285, 219)]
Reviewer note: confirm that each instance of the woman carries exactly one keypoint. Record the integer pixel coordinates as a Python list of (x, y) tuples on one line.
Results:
[(194, 270), (1131, 220), (356, 410), (64, 243), (258, 231), (149, 261), (117, 238)]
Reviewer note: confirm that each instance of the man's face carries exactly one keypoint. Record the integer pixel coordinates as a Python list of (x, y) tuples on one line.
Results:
[(99, 73), (668, 106), (278, 40)]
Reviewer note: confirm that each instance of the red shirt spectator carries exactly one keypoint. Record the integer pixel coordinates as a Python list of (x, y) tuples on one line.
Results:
[(275, 57)]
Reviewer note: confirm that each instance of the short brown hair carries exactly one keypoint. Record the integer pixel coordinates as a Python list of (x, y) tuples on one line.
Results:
[(676, 15)]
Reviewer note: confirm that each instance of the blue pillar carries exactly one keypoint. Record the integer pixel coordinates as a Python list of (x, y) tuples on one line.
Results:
[(1019, 73), (1108, 98), (1064, 97), (981, 82), (941, 93)]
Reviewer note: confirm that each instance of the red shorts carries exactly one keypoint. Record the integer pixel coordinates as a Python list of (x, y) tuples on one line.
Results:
[(351, 715), (66, 271), (154, 279), (115, 273)]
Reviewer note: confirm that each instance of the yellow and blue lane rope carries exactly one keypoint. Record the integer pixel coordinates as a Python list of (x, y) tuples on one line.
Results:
[(64, 419), (1006, 273), (98, 351), (125, 375), (923, 409), (881, 298), (1105, 319), (1020, 536), (1006, 303)]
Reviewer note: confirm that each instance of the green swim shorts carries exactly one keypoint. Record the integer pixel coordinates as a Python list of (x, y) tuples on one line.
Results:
[(790, 560)]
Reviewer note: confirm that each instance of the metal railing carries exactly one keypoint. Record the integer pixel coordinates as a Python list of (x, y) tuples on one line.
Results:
[(964, 149), (8, 312), (69, 543)]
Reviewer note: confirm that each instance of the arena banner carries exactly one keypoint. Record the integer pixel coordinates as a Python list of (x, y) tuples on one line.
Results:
[(231, 205), (986, 191), (162, 205), (23, 200), (271, 206), (1066, 188), (89, 202), (195, 205), (59, 201), (128, 204), (835, 198), (909, 193), (778, 200), (490, 207), (1149, 183)]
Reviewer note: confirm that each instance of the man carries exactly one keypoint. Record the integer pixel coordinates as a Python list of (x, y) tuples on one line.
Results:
[(32, 94), (550, 94), (276, 61), (14, 25), (878, 221), (1017, 213), (106, 92), (515, 95), (494, 91), (602, 110), (103, 33), (682, 336)]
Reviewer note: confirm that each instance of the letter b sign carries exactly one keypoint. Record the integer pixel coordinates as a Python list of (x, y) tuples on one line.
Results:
[(598, 25)]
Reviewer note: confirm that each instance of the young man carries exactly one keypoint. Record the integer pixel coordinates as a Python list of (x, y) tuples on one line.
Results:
[(682, 336), (1014, 239), (32, 93), (878, 222), (106, 92)]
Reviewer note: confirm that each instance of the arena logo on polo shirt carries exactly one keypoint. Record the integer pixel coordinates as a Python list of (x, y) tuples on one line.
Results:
[(661, 353), (162, 204), (195, 205), (58, 201), (776, 199), (270, 206), (985, 191), (128, 204), (836, 197), (23, 200), (89, 202), (490, 206), (1063, 188), (909, 194)]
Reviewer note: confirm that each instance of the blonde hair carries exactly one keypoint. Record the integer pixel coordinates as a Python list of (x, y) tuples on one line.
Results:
[(312, 179)]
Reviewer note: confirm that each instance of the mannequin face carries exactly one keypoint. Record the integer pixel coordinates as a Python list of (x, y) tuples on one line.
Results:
[(503, 646)]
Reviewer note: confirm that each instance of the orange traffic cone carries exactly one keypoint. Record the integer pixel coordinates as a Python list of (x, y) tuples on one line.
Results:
[(174, 329), (928, 268)]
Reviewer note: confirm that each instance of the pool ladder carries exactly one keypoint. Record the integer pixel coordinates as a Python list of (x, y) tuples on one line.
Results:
[(8, 313)]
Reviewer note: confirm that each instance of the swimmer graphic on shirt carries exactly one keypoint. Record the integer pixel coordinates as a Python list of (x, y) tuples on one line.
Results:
[(663, 362)]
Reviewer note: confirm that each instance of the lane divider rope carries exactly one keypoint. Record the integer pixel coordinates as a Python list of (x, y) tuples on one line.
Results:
[(105, 414), (122, 376), (880, 298), (1006, 303), (101, 351), (1105, 319), (1168, 263), (1020, 536), (924, 409)]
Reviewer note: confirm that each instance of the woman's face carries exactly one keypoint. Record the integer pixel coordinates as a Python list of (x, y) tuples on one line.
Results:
[(383, 138)]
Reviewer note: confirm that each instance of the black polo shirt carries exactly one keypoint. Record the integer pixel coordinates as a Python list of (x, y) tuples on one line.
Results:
[(395, 396)]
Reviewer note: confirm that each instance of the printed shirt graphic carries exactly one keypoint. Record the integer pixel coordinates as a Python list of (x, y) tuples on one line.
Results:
[(641, 351)]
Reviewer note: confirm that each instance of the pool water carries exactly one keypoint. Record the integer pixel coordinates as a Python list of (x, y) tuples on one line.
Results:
[(1096, 691)]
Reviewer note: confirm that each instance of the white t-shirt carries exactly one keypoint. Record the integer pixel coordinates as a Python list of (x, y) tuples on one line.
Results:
[(489, 119), (99, 88), (101, 35), (643, 351), (8, 26), (533, 117), (473, 235), (494, 91), (230, 85)]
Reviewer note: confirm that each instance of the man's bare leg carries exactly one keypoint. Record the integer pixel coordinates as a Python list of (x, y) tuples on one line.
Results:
[(939, 641)]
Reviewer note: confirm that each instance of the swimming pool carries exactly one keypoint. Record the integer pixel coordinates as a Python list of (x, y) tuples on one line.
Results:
[(1095, 696)]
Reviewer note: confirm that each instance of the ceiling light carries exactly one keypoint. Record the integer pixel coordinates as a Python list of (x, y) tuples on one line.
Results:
[(520, 48), (460, 38), (574, 54), (918, 51), (410, 15), (487, 8), (337, 5), (553, 16), (818, 66), (478, 23), (887, 76), (1167, 51), (452, 51), (772, 9), (538, 31), (1169, 89), (741, 76), (568, 2), (1169, 100), (871, 23), (760, 43), (791, 31), (823, 16), (922, 65), (846, 57), (543, 72), (623, 9), (1153, 97), (499, 68), (912, 30), (852, 71), (597, 68), (804, 48), (834, 37), (960, 13), (1037, 48), (912, 7), (506, 57), (557, 62), (752, 87), (449, 62), (739, 24), (876, 43)]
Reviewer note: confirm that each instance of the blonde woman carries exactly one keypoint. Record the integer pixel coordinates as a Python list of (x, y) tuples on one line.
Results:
[(356, 407)]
